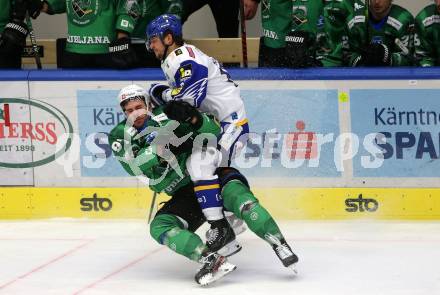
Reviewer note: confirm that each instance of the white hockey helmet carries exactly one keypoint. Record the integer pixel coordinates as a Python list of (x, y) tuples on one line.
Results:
[(132, 92)]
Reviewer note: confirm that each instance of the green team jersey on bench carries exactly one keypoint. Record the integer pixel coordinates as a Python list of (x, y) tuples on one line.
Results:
[(279, 17), (396, 28), (427, 37), (337, 13), (92, 24), (150, 9)]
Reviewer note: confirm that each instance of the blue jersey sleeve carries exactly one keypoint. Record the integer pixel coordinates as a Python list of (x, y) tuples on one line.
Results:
[(191, 82)]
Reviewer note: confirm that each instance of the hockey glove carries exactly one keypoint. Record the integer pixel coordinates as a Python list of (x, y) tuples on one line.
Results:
[(34, 7), (183, 112), (18, 12), (376, 55), (121, 54), (298, 44), (13, 37), (155, 92), (270, 57)]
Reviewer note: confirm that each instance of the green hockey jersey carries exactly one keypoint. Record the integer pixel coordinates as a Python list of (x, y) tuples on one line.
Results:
[(427, 37), (279, 17), (92, 24), (395, 31), (305, 15), (153, 154), (334, 45), (147, 10)]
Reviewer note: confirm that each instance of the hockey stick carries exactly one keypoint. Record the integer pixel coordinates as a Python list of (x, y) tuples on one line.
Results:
[(33, 42), (153, 203), (243, 34)]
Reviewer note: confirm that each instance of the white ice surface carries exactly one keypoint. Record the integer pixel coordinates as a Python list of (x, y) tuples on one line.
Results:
[(119, 257)]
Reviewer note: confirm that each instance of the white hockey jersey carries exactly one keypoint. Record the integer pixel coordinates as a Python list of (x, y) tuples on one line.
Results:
[(201, 81)]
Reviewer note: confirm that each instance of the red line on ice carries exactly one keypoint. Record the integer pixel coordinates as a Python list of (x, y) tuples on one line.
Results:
[(121, 269), (44, 265)]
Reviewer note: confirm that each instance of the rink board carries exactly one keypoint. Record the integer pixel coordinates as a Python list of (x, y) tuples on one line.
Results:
[(55, 160), (283, 203)]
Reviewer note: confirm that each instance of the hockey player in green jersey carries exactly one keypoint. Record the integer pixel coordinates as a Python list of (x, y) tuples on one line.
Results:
[(301, 41), (427, 37), (13, 32), (289, 29), (98, 31), (337, 14), (139, 146), (147, 10), (381, 37), (144, 11)]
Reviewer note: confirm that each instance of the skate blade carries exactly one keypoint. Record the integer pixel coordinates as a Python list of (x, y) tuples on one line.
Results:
[(238, 225), (239, 229), (230, 249), (293, 268), (223, 270)]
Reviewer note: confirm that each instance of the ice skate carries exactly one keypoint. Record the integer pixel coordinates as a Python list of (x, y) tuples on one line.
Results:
[(214, 268), (220, 238), (284, 252)]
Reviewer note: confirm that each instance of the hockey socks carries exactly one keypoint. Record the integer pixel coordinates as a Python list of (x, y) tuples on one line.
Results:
[(168, 230), (209, 198), (239, 199)]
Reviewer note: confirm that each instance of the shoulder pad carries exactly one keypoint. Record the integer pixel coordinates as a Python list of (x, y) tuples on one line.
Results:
[(400, 13), (181, 54), (394, 22), (430, 20)]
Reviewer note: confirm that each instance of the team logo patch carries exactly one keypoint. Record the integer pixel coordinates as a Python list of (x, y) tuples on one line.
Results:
[(265, 6), (124, 23), (299, 15), (376, 40), (150, 137), (178, 52), (176, 91), (116, 146), (185, 72), (82, 12)]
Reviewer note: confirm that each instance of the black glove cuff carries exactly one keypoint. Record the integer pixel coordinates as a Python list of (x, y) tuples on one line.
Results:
[(299, 49), (386, 55), (19, 27), (297, 38), (377, 55), (119, 45)]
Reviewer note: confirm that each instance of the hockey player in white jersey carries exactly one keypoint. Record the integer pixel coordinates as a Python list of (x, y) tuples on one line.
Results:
[(200, 81)]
